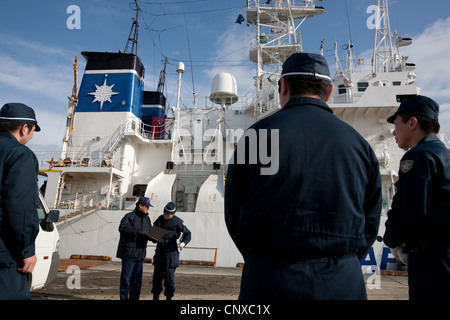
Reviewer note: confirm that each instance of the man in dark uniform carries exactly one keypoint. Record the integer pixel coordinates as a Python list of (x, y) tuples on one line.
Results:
[(166, 254), (419, 220), (303, 229), (19, 224), (132, 248)]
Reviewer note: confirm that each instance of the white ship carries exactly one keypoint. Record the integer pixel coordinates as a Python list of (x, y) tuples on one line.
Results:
[(122, 141)]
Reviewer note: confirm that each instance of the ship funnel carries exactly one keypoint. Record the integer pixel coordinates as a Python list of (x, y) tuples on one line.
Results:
[(224, 89)]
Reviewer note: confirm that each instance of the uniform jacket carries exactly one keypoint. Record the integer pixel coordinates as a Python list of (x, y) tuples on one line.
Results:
[(176, 227), (166, 253), (19, 198), (421, 205), (325, 198), (131, 246)]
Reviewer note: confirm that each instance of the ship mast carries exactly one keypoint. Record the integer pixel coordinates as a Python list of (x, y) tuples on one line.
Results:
[(73, 101), (383, 54), (278, 36), (131, 46)]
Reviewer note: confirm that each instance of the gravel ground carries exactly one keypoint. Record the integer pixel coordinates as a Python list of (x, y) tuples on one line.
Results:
[(99, 280)]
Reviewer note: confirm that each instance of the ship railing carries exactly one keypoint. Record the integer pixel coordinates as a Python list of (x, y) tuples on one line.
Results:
[(75, 205), (266, 101), (208, 262), (269, 4), (204, 103), (160, 129), (75, 158)]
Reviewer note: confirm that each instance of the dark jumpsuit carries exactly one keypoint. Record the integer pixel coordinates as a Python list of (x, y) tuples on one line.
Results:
[(303, 230), (420, 217), (19, 223), (167, 256)]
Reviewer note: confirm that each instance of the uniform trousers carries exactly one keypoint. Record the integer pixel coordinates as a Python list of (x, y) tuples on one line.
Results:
[(13, 285), (164, 268), (279, 278), (429, 273), (131, 279)]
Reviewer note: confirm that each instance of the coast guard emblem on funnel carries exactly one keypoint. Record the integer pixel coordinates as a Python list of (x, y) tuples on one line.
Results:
[(103, 93)]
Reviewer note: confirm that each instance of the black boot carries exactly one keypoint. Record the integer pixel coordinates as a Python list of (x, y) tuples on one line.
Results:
[(155, 296), (168, 298)]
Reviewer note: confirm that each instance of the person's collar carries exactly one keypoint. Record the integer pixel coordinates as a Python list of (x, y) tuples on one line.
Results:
[(428, 138), (296, 101), (8, 135), (140, 213)]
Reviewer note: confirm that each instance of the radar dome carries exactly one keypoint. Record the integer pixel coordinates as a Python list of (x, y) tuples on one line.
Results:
[(224, 89)]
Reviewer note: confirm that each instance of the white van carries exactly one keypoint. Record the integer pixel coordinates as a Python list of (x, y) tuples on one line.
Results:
[(47, 246)]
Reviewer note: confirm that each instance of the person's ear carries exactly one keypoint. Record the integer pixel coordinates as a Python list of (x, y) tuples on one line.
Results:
[(329, 94), (413, 123)]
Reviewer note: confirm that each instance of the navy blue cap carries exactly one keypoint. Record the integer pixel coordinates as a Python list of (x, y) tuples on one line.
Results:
[(306, 65), (18, 112), (145, 201), (417, 106), (170, 208)]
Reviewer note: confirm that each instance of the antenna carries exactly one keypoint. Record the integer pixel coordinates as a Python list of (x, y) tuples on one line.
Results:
[(190, 59), (162, 78), (132, 41)]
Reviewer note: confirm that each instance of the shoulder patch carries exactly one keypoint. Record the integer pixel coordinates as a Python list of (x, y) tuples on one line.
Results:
[(406, 165)]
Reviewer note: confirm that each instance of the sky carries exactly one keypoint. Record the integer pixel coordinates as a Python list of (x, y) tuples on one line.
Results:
[(39, 40)]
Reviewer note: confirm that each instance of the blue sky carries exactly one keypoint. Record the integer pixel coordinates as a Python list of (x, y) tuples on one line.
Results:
[(37, 48)]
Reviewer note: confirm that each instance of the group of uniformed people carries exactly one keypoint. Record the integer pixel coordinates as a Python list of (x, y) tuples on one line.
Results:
[(134, 231), (302, 229)]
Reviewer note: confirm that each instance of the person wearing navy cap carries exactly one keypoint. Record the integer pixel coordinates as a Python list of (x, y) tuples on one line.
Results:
[(132, 248), (19, 199), (166, 254), (418, 224), (303, 229)]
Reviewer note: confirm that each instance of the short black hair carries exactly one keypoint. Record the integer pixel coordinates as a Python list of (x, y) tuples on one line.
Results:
[(316, 87), (428, 125), (11, 126)]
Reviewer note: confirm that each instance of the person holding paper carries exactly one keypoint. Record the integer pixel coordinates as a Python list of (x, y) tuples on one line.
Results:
[(167, 255)]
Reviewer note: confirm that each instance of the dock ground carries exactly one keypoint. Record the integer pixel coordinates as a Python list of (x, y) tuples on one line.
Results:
[(99, 280)]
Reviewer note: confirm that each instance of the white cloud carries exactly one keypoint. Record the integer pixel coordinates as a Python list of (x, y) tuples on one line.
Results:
[(51, 80), (233, 45), (49, 139), (40, 76), (37, 49), (429, 52)]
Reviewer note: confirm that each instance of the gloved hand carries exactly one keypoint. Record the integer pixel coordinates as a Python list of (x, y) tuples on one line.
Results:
[(182, 245), (141, 233), (403, 255)]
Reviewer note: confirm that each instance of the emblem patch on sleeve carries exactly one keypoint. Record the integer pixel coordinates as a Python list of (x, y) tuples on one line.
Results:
[(406, 165)]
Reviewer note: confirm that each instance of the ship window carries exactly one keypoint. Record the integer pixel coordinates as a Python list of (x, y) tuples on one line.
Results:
[(342, 89), (139, 190), (401, 97), (362, 86), (396, 83)]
